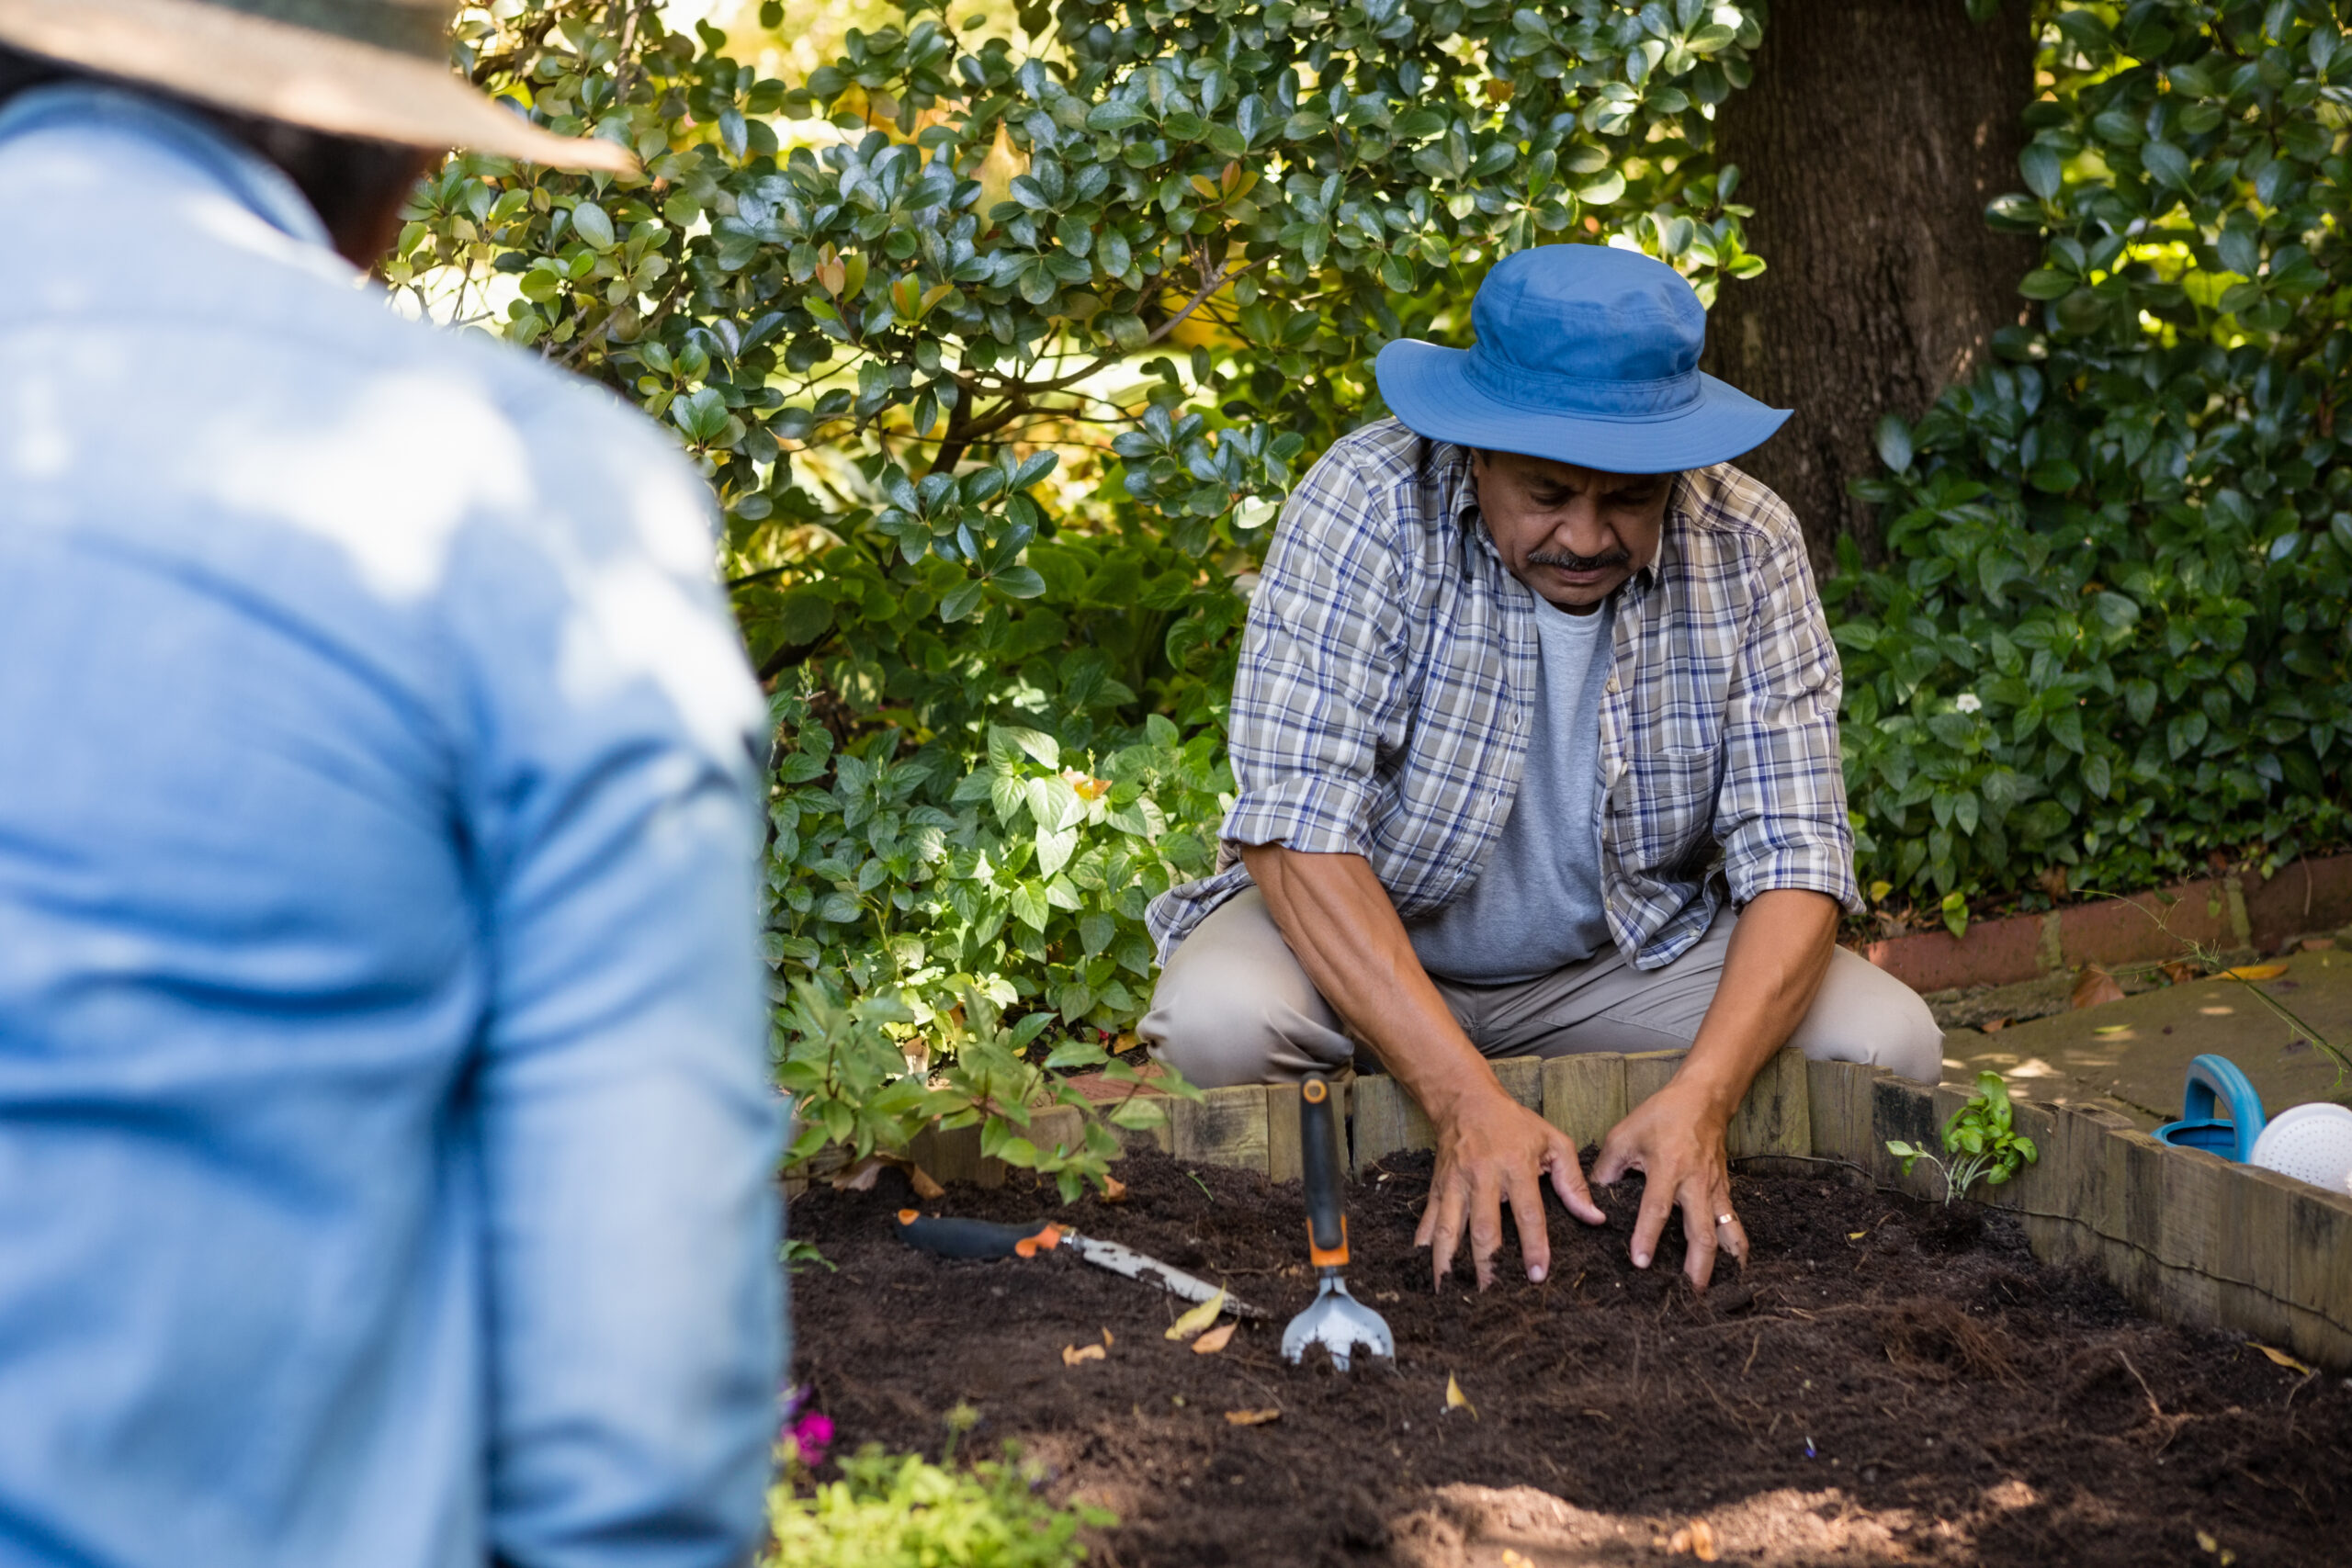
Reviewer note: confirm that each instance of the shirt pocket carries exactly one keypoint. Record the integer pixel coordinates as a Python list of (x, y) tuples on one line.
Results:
[(1668, 797)]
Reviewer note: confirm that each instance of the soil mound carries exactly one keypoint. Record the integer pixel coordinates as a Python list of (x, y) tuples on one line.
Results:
[(1887, 1382)]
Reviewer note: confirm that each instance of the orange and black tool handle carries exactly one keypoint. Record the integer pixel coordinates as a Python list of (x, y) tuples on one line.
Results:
[(1318, 1150), (975, 1238)]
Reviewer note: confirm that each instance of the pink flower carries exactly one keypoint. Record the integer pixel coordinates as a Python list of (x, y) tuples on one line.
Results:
[(811, 1436)]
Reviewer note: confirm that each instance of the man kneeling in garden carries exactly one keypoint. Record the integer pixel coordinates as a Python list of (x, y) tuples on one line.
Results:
[(1536, 735)]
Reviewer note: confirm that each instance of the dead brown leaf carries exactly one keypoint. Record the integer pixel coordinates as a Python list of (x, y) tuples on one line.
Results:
[(1209, 1344), (2281, 1358), (2180, 971), (1198, 1318), (2319, 944), (2094, 987), (1252, 1417), (860, 1176), (1993, 1025), (1113, 1190), (1073, 1354), (1697, 1538), (2254, 972)]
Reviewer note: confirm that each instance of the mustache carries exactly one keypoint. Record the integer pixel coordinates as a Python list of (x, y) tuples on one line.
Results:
[(1568, 560)]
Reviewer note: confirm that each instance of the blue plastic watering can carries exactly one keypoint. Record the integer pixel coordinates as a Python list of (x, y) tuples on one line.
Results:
[(2215, 1082)]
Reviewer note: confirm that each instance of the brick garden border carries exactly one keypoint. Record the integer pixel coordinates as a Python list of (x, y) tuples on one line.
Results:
[(2188, 1238), (2230, 912)]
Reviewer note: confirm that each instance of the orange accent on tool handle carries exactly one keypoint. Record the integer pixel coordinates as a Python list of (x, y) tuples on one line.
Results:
[(1318, 1149), (1044, 1241), (909, 1216)]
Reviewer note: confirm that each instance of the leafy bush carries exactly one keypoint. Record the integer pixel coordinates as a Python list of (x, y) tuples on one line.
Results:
[(2112, 637), (999, 360), (917, 878), (863, 1081), (902, 1511)]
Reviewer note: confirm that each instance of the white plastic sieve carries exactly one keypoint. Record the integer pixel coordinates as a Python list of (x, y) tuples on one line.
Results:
[(2311, 1143)]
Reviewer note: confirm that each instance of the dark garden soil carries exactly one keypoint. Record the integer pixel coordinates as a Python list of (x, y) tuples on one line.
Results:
[(1887, 1382)]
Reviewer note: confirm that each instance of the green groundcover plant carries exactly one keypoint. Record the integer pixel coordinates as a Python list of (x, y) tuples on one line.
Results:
[(902, 1511), (1981, 1142), (1000, 344)]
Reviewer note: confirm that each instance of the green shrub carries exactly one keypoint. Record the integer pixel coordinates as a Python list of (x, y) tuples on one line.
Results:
[(999, 357), (926, 876), (902, 1511), (863, 1081), (2111, 635), (998, 364)]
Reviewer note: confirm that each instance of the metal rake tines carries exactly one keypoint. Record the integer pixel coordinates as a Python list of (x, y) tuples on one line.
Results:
[(1339, 1322)]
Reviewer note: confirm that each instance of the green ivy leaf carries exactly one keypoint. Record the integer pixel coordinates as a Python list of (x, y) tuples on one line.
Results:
[(2042, 168), (2165, 164), (961, 601), (1894, 442), (1095, 931), (595, 228)]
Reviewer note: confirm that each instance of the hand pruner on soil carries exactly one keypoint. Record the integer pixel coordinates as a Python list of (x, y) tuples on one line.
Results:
[(982, 1238), (1335, 1320)]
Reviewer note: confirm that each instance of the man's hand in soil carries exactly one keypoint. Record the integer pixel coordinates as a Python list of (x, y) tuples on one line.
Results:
[(1336, 919), (1493, 1150), (1675, 1141), (1779, 953)]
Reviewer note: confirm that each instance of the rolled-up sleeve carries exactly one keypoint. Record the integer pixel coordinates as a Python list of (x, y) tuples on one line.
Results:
[(1319, 686), (1781, 812)]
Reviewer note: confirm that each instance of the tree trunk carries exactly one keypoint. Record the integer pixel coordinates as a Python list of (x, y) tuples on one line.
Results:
[(1868, 143)]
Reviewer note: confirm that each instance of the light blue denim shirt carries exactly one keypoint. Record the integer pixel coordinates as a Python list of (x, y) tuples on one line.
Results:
[(385, 1140)]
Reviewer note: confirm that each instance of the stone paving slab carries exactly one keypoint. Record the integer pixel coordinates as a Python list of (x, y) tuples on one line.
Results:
[(2130, 1056)]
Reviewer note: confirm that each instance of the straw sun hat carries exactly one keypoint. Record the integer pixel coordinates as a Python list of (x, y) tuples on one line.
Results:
[(375, 69)]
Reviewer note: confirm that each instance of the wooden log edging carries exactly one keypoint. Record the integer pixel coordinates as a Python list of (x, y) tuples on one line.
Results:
[(1255, 1128), (2187, 1237), (1584, 1096)]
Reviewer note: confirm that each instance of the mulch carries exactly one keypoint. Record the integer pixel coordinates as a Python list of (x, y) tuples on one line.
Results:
[(1887, 1382)]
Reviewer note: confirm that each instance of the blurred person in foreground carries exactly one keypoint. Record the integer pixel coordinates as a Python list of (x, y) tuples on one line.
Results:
[(384, 1144)]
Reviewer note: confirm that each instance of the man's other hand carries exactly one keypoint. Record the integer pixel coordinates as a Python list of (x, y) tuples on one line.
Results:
[(1676, 1143), (1491, 1150)]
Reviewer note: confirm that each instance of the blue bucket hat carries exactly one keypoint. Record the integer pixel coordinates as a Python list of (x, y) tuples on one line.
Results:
[(1586, 354)]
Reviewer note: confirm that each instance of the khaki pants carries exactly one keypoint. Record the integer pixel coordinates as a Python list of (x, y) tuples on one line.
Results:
[(1234, 1007)]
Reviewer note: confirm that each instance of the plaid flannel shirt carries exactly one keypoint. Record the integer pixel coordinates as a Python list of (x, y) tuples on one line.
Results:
[(1384, 701)]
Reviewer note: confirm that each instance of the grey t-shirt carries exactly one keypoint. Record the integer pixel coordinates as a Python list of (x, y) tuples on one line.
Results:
[(1536, 904)]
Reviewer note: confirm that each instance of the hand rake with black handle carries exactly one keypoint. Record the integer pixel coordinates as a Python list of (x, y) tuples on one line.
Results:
[(1335, 1320)]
